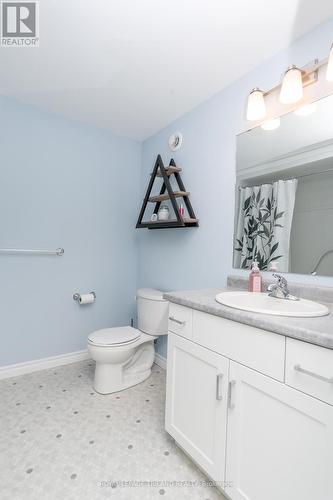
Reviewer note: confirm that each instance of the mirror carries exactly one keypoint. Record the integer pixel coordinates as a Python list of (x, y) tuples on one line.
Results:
[(284, 193)]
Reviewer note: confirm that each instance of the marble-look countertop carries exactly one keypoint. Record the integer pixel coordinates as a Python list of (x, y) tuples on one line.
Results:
[(318, 331)]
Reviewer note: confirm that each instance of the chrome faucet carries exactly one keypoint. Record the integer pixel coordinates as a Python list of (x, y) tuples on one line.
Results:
[(280, 289)]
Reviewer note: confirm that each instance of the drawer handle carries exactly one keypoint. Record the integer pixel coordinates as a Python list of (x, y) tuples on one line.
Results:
[(181, 323), (231, 403), (219, 379), (298, 368)]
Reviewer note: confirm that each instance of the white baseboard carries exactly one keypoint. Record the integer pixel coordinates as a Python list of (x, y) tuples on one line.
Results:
[(9, 371), (160, 361), (42, 364)]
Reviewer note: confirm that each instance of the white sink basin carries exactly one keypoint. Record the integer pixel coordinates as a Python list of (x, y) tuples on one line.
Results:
[(262, 303)]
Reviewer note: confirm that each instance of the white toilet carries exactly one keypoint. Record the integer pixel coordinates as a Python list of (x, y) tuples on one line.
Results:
[(124, 355)]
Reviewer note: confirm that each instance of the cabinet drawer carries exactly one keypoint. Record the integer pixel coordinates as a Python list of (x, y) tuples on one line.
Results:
[(309, 368), (180, 320), (258, 349)]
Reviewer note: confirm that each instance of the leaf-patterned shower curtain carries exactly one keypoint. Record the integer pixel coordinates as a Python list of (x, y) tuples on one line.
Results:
[(264, 224)]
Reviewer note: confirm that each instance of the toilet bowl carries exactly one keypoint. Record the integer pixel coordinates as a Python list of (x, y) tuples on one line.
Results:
[(124, 355)]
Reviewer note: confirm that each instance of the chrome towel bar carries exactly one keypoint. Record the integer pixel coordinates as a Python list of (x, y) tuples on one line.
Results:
[(58, 251)]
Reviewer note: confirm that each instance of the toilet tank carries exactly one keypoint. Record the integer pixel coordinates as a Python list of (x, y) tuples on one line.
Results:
[(153, 312)]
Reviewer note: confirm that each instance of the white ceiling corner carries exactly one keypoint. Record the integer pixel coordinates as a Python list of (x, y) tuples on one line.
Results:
[(134, 66)]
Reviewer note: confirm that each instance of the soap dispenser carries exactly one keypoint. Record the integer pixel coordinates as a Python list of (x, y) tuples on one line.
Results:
[(255, 278)]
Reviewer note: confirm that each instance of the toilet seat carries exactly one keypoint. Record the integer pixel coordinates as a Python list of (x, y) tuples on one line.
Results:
[(118, 336)]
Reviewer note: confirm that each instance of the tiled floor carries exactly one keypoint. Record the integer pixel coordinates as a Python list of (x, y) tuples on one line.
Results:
[(60, 440)]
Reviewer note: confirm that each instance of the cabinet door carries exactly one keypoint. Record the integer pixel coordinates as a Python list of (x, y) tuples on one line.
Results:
[(196, 403), (280, 441)]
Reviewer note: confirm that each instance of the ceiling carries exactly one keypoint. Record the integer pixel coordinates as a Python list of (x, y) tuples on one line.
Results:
[(133, 66)]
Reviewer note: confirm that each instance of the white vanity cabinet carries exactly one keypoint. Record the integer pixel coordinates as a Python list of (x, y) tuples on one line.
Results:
[(196, 407), (280, 441), (261, 436)]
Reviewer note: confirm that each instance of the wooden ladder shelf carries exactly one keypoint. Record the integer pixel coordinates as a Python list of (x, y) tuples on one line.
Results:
[(167, 193)]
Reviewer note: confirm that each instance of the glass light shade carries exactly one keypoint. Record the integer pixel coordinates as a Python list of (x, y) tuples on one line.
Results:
[(271, 124), (256, 107), (292, 86), (329, 71), (306, 110)]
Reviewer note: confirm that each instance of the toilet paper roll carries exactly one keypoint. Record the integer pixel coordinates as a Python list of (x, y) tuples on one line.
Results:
[(87, 298)]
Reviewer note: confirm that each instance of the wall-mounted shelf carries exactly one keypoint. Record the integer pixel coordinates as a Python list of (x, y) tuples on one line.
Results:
[(166, 196), (169, 171), (167, 193), (170, 223)]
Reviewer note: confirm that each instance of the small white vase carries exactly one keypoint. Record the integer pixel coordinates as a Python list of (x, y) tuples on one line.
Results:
[(163, 213)]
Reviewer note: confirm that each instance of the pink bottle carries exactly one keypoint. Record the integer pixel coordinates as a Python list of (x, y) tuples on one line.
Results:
[(255, 279)]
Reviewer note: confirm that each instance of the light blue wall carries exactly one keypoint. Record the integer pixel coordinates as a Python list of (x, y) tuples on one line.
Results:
[(70, 185), (200, 258)]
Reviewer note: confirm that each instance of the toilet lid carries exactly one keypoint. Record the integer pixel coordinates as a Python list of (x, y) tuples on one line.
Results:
[(114, 336)]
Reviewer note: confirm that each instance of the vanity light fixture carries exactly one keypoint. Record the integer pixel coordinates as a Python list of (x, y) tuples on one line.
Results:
[(292, 86), (256, 107), (329, 71), (306, 110), (291, 89), (271, 124)]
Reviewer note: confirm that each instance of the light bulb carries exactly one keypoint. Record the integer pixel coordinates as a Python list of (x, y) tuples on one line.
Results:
[(306, 110), (329, 71), (256, 108), (292, 86), (271, 124)]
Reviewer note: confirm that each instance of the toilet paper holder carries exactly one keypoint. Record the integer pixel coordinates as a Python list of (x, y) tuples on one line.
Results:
[(76, 296)]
